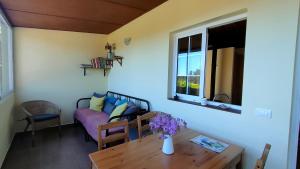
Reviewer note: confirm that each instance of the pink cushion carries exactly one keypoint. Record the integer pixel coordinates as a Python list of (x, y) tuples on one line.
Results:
[(91, 120)]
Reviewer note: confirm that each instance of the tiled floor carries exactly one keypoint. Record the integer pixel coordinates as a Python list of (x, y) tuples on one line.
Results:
[(50, 152)]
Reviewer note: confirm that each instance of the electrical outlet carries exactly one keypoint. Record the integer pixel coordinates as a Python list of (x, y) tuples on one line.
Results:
[(264, 113)]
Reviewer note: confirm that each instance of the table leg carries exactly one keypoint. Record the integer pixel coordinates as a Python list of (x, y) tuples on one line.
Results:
[(240, 163), (93, 166)]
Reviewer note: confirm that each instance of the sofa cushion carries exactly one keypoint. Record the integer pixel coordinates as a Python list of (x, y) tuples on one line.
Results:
[(131, 110), (98, 95), (91, 120), (96, 103), (108, 108), (130, 103), (83, 114), (110, 99), (118, 111), (120, 102)]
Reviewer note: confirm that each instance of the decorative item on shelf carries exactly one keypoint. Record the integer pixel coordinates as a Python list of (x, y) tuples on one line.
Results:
[(105, 62), (110, 48), (95, 63), (127, 41), (167, 126)]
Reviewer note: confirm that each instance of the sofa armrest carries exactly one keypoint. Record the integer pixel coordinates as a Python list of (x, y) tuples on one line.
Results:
[(81, 99)]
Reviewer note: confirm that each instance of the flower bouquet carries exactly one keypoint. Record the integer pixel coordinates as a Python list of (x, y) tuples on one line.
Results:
[(167, 126)]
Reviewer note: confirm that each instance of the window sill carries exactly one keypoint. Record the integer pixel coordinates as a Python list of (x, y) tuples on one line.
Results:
[(230, 110)]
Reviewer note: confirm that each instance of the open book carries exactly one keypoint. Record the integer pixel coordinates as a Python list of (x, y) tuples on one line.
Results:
[(210, 143)]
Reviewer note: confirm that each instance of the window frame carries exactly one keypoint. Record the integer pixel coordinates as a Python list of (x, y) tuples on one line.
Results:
[(203, 29), (175, 61), (10, 68)]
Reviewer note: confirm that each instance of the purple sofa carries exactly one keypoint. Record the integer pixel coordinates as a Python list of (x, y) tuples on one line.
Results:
[(90, 120)]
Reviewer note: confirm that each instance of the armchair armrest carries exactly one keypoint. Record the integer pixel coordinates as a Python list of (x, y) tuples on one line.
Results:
[(29, 116), (27, 113), (81, 99)]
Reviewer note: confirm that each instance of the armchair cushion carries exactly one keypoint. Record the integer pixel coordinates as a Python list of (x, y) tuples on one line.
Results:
[(44, 117)]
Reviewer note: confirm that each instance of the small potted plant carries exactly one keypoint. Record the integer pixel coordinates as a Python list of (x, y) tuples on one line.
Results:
[(167, 126), (110, 48)]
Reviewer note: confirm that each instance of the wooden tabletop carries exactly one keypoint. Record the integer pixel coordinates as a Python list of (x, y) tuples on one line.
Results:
[(147, 154)]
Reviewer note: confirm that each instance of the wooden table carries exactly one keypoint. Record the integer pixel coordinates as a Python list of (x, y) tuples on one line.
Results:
[(147, 154)]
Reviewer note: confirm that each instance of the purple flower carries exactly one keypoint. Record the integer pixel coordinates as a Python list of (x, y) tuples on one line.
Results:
[(166, 124)]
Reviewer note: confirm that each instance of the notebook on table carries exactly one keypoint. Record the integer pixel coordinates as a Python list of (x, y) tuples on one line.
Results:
[(209, 143)]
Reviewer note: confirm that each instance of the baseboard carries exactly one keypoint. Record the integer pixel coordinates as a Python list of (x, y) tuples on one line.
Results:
[(5, 158), (29, 130)]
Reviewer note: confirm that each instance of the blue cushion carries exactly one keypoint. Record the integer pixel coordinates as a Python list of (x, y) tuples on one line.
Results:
[(98, 95), (130, 103), (130, 110), (43, 117), (120, 102), (108, 108), (110, 99), (133, 133)]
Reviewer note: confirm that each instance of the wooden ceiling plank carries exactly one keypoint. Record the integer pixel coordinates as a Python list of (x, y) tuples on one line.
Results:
[(89, 20), (23, 19), (94, 16), (144, 5), (89, 9)]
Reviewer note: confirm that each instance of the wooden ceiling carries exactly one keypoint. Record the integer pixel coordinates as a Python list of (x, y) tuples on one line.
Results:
[(92, 16)]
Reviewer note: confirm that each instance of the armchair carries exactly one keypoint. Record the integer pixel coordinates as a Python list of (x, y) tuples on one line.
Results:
[(40, 111)]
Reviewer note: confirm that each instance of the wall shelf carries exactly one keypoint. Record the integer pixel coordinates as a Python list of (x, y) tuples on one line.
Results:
[(105, 64)]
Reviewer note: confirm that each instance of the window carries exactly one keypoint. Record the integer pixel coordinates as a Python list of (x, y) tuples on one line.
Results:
[(6, 60), (208, 62)]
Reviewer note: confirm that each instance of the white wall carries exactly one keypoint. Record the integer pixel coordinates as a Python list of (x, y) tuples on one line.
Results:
[(47, 67), (268, 72), (6, 125)]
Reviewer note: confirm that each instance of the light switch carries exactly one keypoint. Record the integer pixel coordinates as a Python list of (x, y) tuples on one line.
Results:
[(265, 113)]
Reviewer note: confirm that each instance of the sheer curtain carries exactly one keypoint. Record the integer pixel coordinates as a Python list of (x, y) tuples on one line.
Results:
[(6, 58)]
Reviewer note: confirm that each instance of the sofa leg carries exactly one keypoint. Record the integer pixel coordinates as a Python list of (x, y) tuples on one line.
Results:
[(86, 136), (75, 121), (32, 136), (59, 128)]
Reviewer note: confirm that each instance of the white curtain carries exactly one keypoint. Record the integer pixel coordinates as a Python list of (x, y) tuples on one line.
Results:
[(6, 58)]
